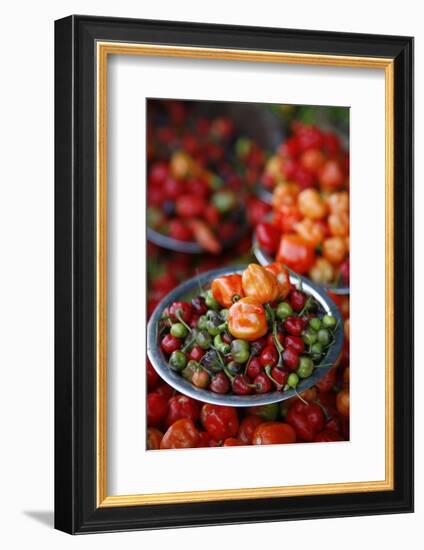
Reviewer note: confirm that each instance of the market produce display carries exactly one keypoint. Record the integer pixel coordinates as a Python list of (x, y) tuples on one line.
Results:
[(319, 414), (199, 173), (248, 333), (309, 228)]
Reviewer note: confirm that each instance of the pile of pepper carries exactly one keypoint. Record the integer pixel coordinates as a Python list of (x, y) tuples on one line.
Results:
[(309, 231), (199, 174), (249, 333), (187, 151), (318, 414)]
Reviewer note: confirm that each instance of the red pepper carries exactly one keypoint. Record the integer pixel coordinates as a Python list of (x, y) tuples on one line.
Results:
[(269, 356), (328, 435), (247, 427), (157, 407), (165, 390), (181, 406), (183, 434), (296, 253), (154, 437), (327, 382), (153, 379), (268, 237), (220, 422), (232, 442), (306, 419), (180, 310), (270, 433)]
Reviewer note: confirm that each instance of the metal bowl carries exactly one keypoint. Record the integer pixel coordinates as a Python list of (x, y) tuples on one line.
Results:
[(264, 259), (252, 121), (188, 290)]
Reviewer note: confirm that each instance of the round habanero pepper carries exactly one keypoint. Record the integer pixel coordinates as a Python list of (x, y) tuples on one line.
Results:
[(260, 284), (283, 278), (227, 289), (247, 319), (183, 434)]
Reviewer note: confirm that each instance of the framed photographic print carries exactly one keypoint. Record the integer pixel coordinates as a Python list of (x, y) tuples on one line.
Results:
[(234, 274)]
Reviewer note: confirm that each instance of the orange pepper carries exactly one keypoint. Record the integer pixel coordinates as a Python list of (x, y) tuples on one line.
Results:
[(334, 249), (247, 319), (339, 224), (227, 288), (311, 232), (283, 278), (285, 193), (260, 284), (311, 205)]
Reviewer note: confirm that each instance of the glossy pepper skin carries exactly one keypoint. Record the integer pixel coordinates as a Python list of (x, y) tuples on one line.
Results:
[(247, 319), (183, 434), (157, 408), (273, 433), (296, 254), (181, 406), (306, 419), (219, 421), (154, 437), (227, 289), (260, 284), (247, 428), (283, 278)]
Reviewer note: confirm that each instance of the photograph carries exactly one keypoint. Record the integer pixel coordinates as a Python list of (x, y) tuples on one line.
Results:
[(234, 268), (248, 274)]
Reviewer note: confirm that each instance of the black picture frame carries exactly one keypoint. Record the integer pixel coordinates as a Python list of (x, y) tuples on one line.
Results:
[(75, 275)]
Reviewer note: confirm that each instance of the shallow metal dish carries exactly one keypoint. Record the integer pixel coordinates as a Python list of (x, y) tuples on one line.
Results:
[(188, 290), (192, 247), (264, 259)]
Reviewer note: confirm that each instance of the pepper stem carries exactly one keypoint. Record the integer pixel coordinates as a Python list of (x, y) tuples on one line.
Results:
[(300, 397), (268, 369), (181, 320)]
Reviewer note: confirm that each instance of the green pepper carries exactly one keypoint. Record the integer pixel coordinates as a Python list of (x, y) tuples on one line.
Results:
[(292, 380), (179, 330), (224, 314), (210, 301), (306, 367), (201, 323), (324, 337), (240, 351), (316, 351), (177, 361), (243, 146), (284, 310), (203, 339), (315, 323), (309, 337), (224, 201), (220, 345), (329, 321), (189, 370)]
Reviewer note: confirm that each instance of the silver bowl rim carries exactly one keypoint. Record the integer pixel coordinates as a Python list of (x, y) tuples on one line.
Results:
[(159, 362)]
